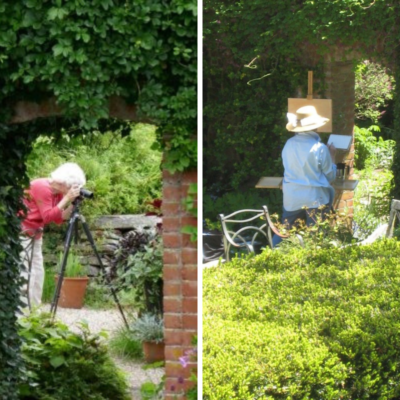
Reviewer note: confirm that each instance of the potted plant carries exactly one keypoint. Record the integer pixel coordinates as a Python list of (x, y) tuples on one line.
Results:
[(149, 329), (74, 284)]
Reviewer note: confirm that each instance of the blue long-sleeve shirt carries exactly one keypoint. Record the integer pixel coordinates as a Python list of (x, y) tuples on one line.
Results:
[(308, 172)]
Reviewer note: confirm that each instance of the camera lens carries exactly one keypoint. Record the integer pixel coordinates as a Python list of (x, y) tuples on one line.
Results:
[(87, 194)]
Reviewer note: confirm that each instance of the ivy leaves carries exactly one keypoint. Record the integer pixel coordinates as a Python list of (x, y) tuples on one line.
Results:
[(84, 53)]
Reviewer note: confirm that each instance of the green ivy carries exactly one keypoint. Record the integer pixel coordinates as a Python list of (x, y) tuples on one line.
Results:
[(190, 205), (396, 162), (256, 56), (83, 52), (14, 148)]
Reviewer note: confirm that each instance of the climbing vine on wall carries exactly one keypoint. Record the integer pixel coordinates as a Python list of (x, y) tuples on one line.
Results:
[(82, 53), (257, 55)]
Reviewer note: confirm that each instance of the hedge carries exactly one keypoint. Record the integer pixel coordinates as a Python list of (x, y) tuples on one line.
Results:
[(304, 325)]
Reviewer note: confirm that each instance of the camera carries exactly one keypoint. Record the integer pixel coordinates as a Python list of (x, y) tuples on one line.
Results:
[(87, 194)]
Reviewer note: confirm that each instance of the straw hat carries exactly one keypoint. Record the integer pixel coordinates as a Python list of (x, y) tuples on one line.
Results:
[(305, 119)]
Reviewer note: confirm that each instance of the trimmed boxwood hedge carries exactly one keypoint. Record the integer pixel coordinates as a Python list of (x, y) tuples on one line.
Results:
[(304, 325)]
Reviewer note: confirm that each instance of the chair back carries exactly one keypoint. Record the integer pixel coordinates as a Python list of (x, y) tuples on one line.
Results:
[(394, 214), (247, 231)]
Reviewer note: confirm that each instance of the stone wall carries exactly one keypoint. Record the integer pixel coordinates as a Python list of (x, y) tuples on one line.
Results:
[(106, 231)]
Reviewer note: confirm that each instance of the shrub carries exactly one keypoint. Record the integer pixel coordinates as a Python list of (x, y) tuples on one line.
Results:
[(239, 200), (148, 328), (372, 200), (62, 365), (371, 151), (138, 263), (373, 90), (304, 325)]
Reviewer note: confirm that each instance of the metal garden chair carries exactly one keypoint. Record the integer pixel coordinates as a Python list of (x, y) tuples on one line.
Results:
[(394, 213), (241, 233)]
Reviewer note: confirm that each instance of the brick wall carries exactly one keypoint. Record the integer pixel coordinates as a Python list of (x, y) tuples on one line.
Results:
[(180, 283), (341, 81)]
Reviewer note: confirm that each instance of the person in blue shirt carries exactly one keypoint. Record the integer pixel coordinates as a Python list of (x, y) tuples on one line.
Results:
[(308, 170)]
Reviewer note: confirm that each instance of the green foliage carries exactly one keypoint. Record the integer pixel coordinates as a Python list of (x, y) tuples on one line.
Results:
[(98, 295), (370, 151), (148, 328), (143, 271), (123, 172), (49, 285), (372, 200), (61, 365), (124, 344), (74, 267), (280, 41), (152, 391), (239, 200), (396, 161), (11, 183), (374, 88), (301, 324), (190, 205), (84, 53), (335, 230)]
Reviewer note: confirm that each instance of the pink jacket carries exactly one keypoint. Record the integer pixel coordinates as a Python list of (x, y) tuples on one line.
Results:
[(41, 203)]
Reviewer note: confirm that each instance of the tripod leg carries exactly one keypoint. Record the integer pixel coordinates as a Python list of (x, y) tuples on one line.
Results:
[(68, 240), (113, 292)]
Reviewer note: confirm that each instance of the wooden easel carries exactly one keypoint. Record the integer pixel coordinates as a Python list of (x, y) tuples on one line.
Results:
[(310, 85), (324, 108)]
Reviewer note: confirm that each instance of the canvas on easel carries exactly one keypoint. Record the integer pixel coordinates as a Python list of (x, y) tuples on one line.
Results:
[(323, 106)]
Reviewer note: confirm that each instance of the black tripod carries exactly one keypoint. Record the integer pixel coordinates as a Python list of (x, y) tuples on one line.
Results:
[(73, 230)]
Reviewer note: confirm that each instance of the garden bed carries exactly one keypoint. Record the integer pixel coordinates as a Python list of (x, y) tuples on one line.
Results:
[(110, 321)]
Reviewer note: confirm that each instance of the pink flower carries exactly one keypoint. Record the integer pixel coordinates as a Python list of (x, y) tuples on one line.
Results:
[(184, 361)]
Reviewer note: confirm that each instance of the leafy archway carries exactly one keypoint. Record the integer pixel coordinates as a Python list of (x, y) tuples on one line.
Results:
[(78, 63)]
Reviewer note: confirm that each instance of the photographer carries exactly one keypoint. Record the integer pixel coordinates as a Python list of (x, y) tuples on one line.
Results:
[(47, 200)]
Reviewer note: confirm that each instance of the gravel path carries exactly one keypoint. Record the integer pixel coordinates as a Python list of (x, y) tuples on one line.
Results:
[(109, 321)]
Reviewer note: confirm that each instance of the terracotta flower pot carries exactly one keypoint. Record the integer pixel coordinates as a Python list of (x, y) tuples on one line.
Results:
[(72, 292), (153, 352)]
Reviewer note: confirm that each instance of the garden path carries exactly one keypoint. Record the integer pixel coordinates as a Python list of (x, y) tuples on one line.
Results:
[(109, 320)]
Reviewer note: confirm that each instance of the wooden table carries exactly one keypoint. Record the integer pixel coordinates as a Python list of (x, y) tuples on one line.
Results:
[(272, 182)]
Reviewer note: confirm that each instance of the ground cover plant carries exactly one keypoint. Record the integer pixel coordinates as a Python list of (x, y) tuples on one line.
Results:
[(63, 365), (301, 324)]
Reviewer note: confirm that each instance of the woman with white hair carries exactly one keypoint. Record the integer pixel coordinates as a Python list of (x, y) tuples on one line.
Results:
[(47, 200)]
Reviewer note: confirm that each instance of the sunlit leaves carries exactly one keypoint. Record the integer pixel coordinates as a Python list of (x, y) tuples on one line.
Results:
[(128, 45)]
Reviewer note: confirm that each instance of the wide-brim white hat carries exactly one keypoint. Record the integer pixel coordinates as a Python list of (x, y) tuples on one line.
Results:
[(305, 119)]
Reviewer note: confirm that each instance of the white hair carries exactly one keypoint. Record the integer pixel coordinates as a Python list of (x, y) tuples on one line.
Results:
[(69, 174)]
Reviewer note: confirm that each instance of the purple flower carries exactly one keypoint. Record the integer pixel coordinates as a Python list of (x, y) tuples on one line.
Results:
[(184, 361), (181, 380)]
